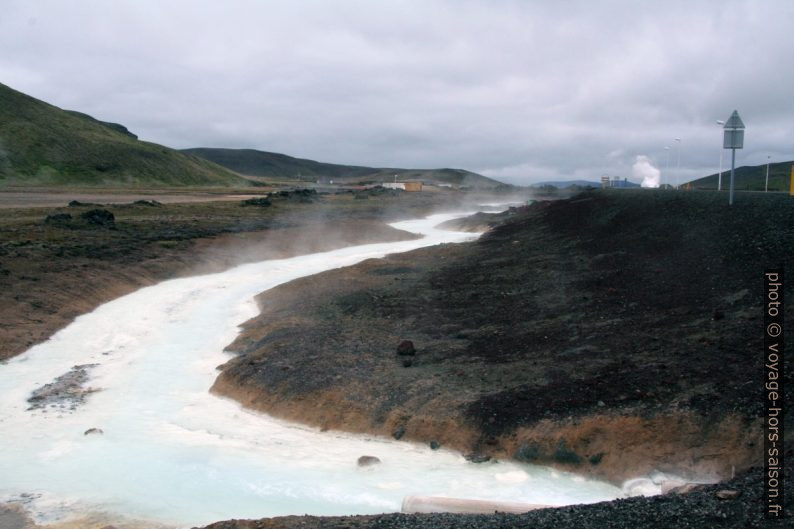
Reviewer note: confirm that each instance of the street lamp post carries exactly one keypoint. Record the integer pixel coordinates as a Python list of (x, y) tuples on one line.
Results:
[(719, 178), (766, 186), (678, 162), (667, 162)]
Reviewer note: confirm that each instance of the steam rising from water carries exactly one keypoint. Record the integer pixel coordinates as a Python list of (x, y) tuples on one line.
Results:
[(644, 169), (172, 452)]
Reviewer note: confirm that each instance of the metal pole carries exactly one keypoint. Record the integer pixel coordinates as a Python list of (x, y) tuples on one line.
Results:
[(722, 148), (678, 163), (667, 163), (766, 186), (733, 163)]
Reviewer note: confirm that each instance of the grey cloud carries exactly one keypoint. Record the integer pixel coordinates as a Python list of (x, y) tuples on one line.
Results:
[(519, 90)]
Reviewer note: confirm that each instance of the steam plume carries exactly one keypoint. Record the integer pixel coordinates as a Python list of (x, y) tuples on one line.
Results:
[(643, 168)]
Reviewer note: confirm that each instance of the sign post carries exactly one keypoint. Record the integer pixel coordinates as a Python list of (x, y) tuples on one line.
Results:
[(733, 139)]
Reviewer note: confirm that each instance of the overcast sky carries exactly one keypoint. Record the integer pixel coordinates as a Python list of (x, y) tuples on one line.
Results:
[(522, 91)]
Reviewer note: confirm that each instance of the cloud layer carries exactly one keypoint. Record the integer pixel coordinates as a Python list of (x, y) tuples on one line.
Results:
[(520, 91)]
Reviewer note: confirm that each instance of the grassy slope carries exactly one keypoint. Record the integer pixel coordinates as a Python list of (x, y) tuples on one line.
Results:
[(41, 144), (273, 165), (750, 178)]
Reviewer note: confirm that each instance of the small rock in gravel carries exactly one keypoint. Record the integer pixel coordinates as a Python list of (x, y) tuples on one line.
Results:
[(407, 362), (435, 445), (93, 431), (398, 433), (727, 494), (367, 461), (406, 348)]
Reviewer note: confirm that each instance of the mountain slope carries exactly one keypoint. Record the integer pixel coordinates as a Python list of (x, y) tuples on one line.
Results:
[(41, 144), (750, 178), (273, 165)]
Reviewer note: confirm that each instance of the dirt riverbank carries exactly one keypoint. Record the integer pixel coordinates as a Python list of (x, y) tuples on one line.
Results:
[(51, 271), (612, 334)]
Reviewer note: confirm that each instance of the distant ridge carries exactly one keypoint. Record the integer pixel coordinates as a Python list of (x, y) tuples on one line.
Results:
[(251, 162), (562, 184), (750, 178), (41, 144)]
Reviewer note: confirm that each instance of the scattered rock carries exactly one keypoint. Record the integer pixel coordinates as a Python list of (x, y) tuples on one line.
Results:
[(261, 202), (435, 445), (727, 494), (99, 217), (148, 203), (718, 315), (58, 219), (91, 431), (406, 348), (477, 458), (528, 452), (297, 195), (601, 404), (407, 362), (367, 461), (596, 458), (398, 433), (78, 204), (66, 392)]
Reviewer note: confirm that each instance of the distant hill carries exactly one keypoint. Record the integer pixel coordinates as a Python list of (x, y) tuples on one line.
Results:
[(750, 178), (41, 144), (252, 162), (562, 184)]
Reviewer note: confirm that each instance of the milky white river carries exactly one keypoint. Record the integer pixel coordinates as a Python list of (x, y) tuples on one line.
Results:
[(173, 453)]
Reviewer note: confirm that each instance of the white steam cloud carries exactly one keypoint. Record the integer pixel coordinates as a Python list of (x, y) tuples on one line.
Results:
[(643, 168)]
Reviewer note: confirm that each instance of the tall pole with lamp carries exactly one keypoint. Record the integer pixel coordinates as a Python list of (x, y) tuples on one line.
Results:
[(667, 162), (678, 162), (719, 178)]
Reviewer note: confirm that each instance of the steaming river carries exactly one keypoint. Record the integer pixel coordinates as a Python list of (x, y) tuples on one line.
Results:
[(173, 453)]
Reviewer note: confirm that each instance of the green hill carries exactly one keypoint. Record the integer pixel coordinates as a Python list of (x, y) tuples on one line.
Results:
[(750, 178), (41, 144), (252, 162)]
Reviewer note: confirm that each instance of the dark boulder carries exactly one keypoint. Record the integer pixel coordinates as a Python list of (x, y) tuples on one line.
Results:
[(406, 348), (398, 433), (435, 445), (99, 217), (95, 431)]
